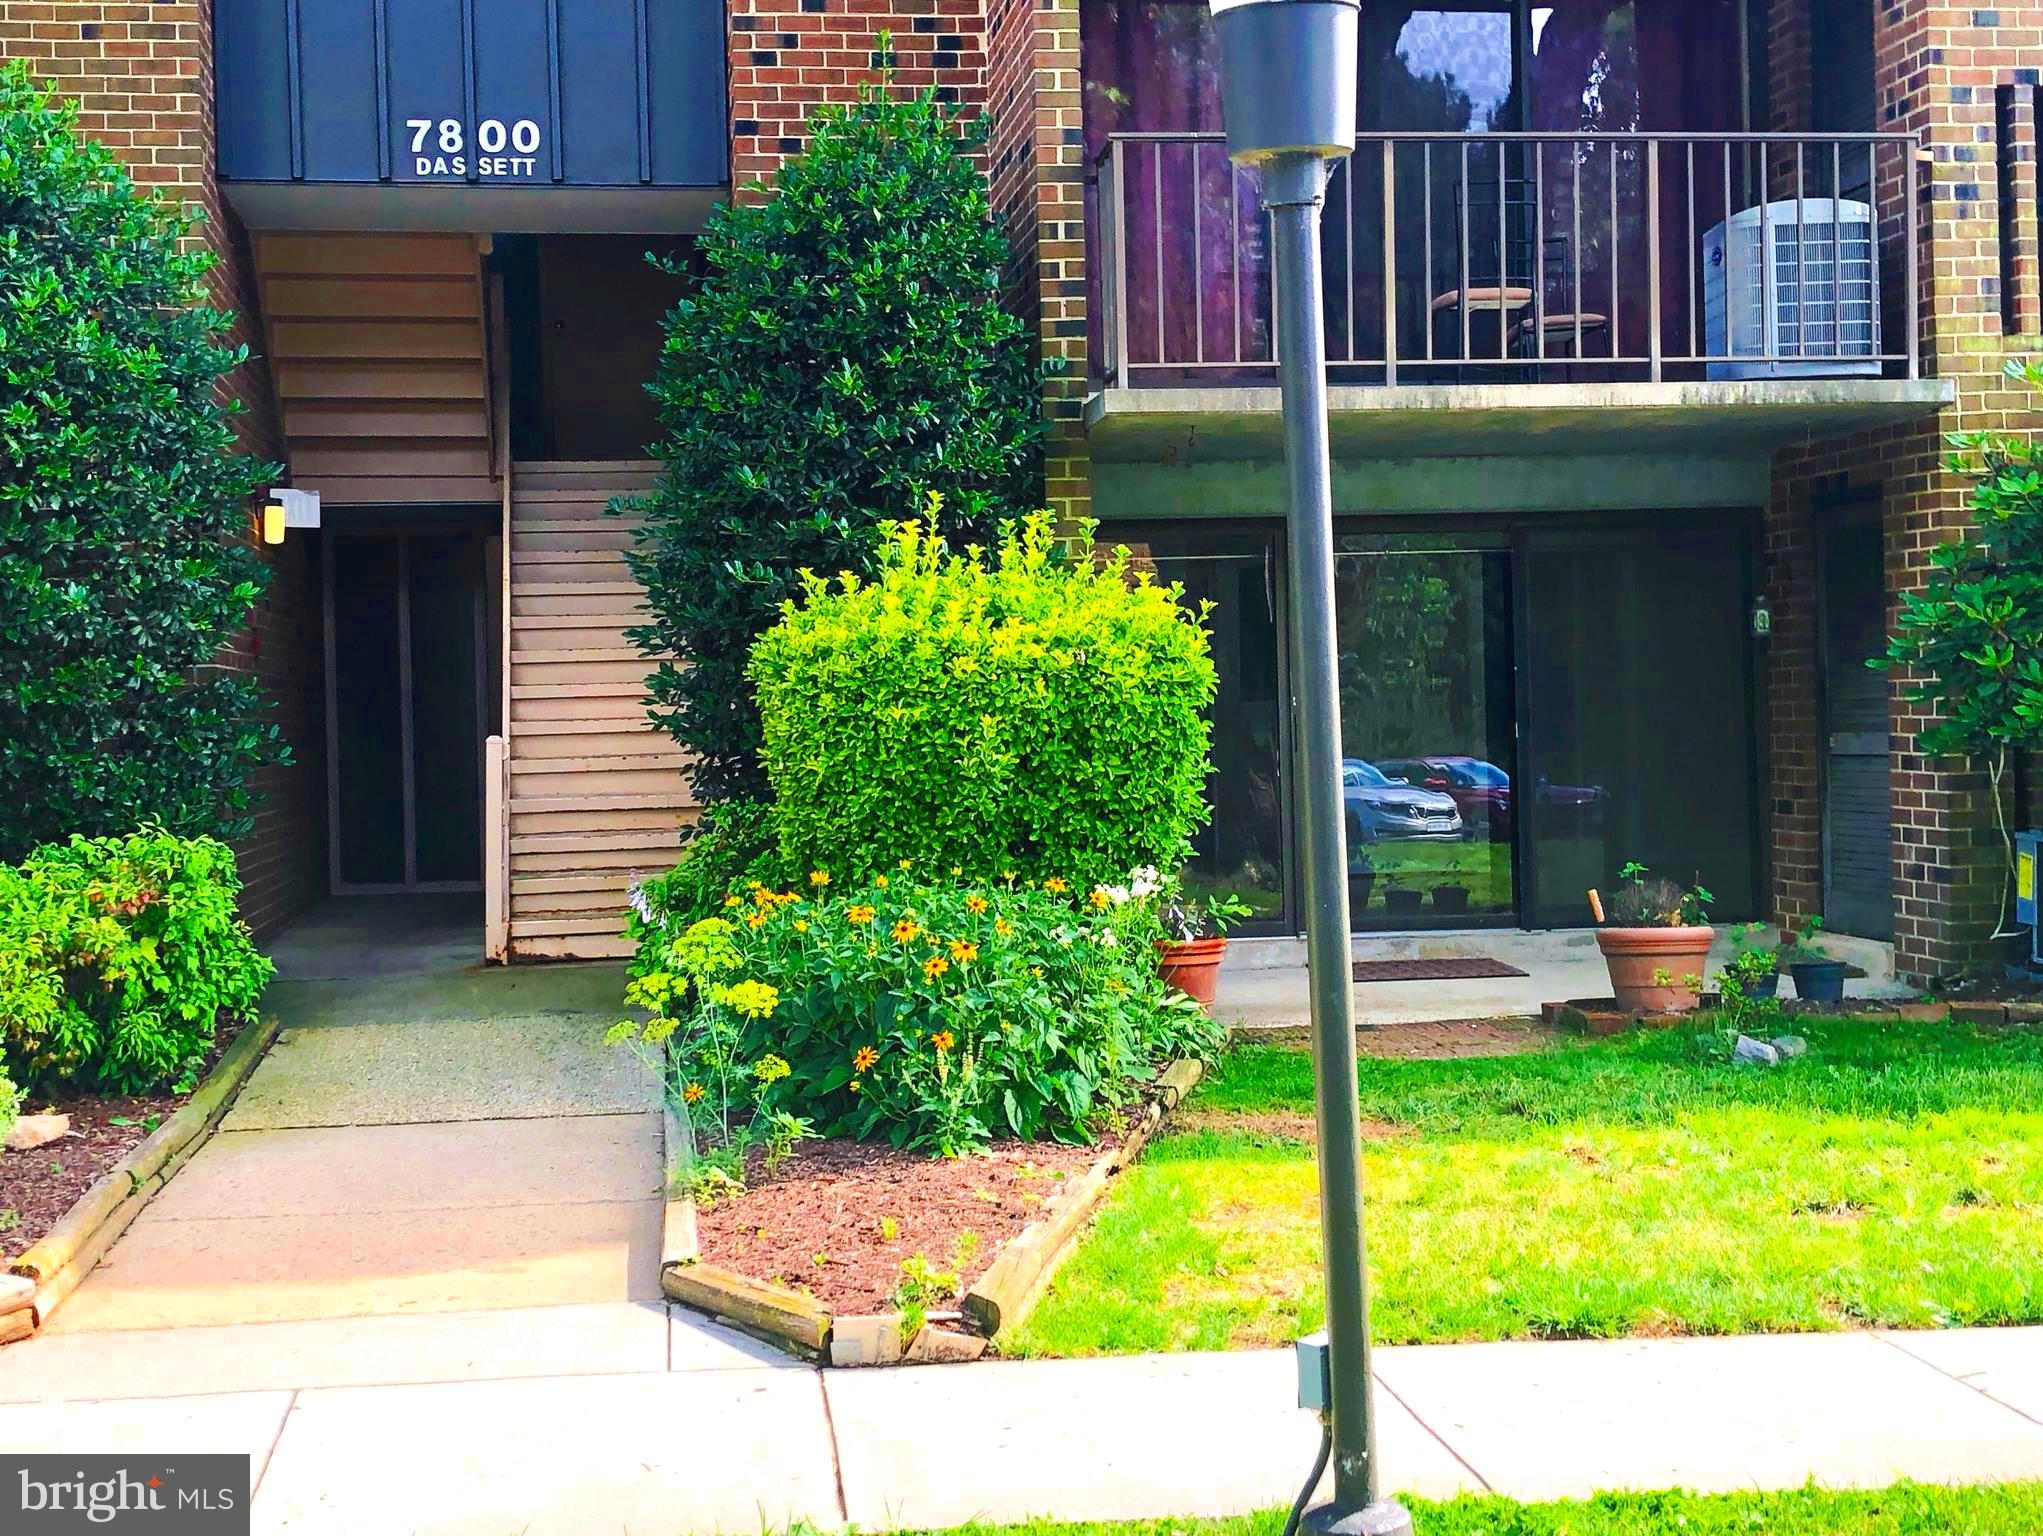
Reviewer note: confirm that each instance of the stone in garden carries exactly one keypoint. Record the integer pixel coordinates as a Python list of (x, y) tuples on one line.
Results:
[(32, 1131), (1788, 1047), (939, 1346), (873, 1340), (1756, 1052), (2025, 1013)]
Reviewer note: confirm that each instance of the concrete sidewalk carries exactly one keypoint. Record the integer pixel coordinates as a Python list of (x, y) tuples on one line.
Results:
[(622, 1418)]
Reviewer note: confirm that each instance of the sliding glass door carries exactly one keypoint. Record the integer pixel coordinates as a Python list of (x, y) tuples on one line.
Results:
[(1424, 628), (1637, 714)]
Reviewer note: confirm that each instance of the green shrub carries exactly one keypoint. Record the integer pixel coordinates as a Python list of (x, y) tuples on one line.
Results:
[(1028, 715), (125, 560), (117, 956), (10, 1105), (931, 1014), (845, 351)]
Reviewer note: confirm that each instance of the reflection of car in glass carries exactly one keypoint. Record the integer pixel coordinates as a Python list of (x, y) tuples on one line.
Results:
[(1383, 809), (1482, 791)]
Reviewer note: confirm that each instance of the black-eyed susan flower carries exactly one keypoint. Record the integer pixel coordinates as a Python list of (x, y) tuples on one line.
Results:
[(934, 967), (864, 1059)]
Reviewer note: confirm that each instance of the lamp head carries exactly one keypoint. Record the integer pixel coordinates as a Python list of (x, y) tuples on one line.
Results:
[(1287, 77)]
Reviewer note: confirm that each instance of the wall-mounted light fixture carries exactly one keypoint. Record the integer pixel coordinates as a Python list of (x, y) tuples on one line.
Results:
[(1762, 618), (285, 508)]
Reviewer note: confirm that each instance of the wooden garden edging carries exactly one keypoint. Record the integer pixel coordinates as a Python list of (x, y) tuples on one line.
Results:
[(998, 1300), (41, 1278)]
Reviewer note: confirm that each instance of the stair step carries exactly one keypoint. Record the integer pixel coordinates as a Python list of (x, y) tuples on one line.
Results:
[(543, 946)]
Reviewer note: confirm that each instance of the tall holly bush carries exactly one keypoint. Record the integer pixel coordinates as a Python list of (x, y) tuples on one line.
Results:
[(1020, 716), (1972, 638), (844, 353), (124, 555)]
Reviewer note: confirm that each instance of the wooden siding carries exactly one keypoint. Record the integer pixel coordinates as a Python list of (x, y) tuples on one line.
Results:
[(597, 795), (377, 346)]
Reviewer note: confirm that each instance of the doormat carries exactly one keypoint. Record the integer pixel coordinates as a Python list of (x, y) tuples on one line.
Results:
[(1474, 968)]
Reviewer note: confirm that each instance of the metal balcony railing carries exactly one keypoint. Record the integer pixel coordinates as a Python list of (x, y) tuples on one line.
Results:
[(1523, 257)]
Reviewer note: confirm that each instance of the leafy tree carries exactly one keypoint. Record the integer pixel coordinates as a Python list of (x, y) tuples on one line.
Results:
[(844, 355), (124, 551), (1974, 635)]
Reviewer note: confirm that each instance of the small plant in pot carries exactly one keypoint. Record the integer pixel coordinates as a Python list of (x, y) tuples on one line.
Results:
[(1655, 938), (1755, 961), (1819, 978), (1195, 941)]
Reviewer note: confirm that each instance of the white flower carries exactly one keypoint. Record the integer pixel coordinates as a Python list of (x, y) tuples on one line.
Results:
[(641, 902), (1117, 894), (1107, 939), (1145, 881), (1061, 935)]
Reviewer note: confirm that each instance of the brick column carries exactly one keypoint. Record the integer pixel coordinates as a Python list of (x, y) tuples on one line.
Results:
[(143, 77), (1038, 183), (1937, 69)]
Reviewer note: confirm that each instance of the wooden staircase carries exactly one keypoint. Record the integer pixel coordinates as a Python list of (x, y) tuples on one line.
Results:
[(596, 794)]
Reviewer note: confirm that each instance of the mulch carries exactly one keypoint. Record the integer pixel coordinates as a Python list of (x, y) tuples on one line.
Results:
[(39, 1185), (1433, 1040), (820, 1225), (1448, 968)]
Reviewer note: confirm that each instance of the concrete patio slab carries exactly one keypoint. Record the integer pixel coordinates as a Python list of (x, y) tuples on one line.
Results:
[(1111, 1439), (212, 1272), (582, 1159), (609, 1338), (736, 1451), (244, 1423), (459, 1069), (2004, 1363), (495, 991), (1551, 1419)]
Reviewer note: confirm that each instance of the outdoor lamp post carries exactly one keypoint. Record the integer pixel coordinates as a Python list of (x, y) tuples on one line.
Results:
[(1287, 92)]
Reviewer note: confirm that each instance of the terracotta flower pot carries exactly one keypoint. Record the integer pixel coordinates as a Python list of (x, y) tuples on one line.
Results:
[(1193, 967), (1635, 954)]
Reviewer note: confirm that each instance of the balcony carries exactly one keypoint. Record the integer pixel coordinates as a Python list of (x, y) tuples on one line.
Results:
[(1590, 289)]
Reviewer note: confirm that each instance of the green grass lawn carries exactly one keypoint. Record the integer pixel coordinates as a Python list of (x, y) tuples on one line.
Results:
[(1909, 1509), (1636, 1185)]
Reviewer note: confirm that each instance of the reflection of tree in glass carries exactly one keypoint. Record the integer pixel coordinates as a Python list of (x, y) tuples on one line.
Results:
[(1411, 652)]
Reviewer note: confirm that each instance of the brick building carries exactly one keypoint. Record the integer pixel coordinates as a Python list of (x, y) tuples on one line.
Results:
[(1645, 320)]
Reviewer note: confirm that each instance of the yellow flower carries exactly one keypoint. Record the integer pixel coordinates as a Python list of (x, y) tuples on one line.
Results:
[(755, 919), (1007, 874), (854, 1085), (754, 999), (1003, 927), (864, 1059), (770, 1068), (957, 870), (762, 897), (941, 1040), (935, 966), (755, 885), (1101, 900), (904, 931), (819, 878), (1056, 885), (975, 904), (963, 952), (880, 881), (906, 864), (859, 913), (1036, 971), (801, 925), (692, 1094), (732, 900)]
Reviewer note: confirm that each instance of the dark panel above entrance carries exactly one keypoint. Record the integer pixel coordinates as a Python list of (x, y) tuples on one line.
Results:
[(437, 100)]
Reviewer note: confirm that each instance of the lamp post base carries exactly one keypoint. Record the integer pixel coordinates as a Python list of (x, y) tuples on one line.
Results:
[(1386, 1517)]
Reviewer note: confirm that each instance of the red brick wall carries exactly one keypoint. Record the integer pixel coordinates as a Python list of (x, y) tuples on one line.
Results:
[(789, 57), (143, 77), (1937, 69)]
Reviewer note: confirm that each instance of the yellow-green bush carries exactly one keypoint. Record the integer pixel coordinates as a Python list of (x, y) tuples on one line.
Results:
[(1028, 714)]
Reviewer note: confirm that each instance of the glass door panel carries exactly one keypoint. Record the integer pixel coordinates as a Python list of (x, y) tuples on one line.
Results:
[(1243, 848), (1424, 628), (1639, 728)]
